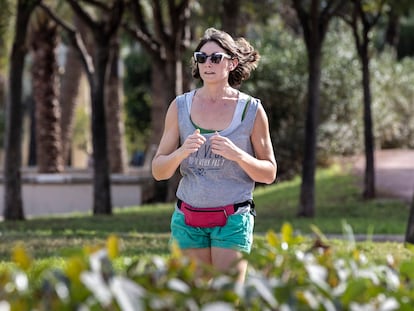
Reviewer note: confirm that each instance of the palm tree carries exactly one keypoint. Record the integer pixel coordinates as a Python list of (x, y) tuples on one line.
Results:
[(103, 32), (69, 91), (45, 88)]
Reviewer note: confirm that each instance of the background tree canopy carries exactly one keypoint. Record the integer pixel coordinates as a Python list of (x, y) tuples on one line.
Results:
[(280, 82)]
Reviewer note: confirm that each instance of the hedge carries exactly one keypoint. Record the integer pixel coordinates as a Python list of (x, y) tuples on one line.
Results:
[(287, 271)]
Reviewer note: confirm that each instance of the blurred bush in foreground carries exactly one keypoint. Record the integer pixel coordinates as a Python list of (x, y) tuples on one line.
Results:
[(287, 272)]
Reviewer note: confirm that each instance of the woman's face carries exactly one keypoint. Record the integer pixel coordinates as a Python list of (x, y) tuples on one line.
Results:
[(214, 63)]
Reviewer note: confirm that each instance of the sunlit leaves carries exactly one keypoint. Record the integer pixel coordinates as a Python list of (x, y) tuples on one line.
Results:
[(74, 267), (272, 239), (113, 246), (21, 256), (287, 271)]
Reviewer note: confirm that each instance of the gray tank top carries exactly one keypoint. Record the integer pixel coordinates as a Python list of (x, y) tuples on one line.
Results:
[(209, 180)]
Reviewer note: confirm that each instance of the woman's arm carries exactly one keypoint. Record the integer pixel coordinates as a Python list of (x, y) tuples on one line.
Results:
[(169, 156), (262, 166)]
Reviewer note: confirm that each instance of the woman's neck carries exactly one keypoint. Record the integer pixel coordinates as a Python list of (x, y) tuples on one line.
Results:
[(217, 93)]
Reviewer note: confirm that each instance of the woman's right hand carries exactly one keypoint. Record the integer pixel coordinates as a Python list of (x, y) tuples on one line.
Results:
[(169, 154), (192, 143)]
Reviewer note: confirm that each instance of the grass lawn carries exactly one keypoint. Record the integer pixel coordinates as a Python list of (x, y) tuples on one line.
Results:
[(338, 199), (144, 230)]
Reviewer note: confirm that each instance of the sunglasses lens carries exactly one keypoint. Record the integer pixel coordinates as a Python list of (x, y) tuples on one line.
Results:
[(216, 58), (200, 57)]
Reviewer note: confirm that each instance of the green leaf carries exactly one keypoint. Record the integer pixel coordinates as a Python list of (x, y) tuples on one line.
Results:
[(272, 239), (287, 233)]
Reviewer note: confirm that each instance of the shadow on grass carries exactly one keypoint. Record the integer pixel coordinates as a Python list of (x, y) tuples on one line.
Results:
[(338, 199), (145, 229), (153, 219)]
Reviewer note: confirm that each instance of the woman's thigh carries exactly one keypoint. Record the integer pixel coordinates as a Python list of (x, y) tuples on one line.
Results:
[(229, 261), (201, 255)]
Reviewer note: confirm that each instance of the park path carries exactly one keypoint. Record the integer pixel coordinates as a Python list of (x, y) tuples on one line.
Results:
[(394, 173), (394, 178)]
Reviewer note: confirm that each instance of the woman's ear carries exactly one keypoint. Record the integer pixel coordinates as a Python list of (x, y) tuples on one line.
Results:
[(234, 63)]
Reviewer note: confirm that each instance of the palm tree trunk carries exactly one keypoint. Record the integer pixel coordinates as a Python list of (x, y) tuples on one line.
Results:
[(69, 92), (103, 31), (44, 39)]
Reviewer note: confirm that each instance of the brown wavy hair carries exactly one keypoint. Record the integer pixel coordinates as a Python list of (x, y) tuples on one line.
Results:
[(238, 48)]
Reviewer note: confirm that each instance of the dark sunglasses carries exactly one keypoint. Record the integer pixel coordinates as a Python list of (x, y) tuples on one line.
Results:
[(216, 58)]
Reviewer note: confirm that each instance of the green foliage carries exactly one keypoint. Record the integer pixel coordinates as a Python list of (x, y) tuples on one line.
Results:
[(393, 105), (340, 130), (137, 87), (286, 272), (405, 43), (280, 82)]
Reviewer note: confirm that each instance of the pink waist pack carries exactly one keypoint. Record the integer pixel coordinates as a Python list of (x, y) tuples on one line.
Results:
[(205, 217)]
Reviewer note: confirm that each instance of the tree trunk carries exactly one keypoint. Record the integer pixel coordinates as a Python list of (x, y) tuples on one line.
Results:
[(162, 93), (13, 203), (32, 158), (102, 188), (114, 117), (409, 233), (314, 19), (69, 92), (166, 50), (392, 33), (44, 39), (231, 16), (362, 23), (103, 31), (369, 178), (307, 195), (2, 89)]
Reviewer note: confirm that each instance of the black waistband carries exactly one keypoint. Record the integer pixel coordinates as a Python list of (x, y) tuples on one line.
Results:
[(236, 205)]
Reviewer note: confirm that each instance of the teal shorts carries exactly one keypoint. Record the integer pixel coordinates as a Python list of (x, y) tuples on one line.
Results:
[(237, 234)]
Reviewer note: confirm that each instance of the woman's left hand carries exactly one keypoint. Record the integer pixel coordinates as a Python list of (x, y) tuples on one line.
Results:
[(224, 147)]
